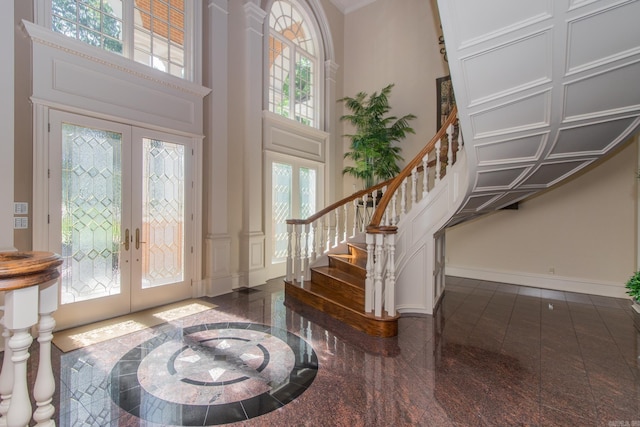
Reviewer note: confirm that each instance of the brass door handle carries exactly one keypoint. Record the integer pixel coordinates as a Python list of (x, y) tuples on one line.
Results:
[(138, 241), (126, 240)]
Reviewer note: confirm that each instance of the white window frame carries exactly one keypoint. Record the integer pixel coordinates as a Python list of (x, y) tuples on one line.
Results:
[(192, 33), (317, 60)]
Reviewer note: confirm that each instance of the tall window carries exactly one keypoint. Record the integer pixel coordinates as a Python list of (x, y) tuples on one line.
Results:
[(292, 65), (155, 36)]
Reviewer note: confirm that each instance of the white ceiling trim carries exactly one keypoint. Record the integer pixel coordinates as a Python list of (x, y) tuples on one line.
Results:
[(348, 6)]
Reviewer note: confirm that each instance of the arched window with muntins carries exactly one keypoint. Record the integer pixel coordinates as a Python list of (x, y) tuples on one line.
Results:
[(293, 64)]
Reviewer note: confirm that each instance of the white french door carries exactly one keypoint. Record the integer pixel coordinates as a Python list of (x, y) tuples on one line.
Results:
[(293, 190), (120, 214)]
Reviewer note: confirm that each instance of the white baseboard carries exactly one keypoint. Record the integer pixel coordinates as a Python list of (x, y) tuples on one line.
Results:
[(543, 281)]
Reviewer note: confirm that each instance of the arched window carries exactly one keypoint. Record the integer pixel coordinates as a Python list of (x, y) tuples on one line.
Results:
[(293, 64)]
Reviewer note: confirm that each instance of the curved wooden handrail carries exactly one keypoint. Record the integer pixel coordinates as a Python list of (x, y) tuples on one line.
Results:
[(339, 203), (404, 173)]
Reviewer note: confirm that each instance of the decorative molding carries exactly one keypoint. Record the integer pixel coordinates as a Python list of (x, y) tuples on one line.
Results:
[(114, 61), (348, 6), (542, 281), (330, 70), (221, 5), (254, 18)]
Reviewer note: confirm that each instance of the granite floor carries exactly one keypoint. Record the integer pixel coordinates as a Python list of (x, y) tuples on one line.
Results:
[(492, 355)]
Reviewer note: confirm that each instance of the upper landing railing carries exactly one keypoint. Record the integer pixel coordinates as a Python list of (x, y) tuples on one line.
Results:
[(378, 216)]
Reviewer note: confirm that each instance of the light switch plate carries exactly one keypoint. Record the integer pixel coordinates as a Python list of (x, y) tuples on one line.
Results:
[(20, 208), (20, 222)]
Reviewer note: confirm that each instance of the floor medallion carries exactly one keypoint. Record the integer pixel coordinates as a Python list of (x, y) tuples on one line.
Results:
[(215, 374)]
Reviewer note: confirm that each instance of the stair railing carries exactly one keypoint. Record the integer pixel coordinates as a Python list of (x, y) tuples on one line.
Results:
[(380, 279), (311, 237), (378, 215)]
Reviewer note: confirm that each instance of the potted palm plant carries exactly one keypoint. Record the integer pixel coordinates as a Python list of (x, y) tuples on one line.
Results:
[(633, 289), (374, 155)]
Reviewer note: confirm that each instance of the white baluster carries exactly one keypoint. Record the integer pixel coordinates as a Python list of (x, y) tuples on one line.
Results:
[(438, 160), (390, 282), (403, 198), (19, 412), (450, 147), (6, 376), (314, 239), (425, 176), (460, 140), (355, 217), (394, 213), (336, 233), (345, 222), (377, 278), (45, 385), (305, 268), (289, 273), (414, 180), (21, 313), (321, 236), (327, 224), (368, 282), (297, 263), (365, 213), (375, 199)]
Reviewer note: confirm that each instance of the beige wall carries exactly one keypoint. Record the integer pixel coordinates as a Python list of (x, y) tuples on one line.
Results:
[(585, 229), (23, 156), (396, 42)]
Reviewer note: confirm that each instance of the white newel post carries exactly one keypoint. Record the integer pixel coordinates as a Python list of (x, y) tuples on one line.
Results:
[(377, 279), (289, 274), (368, 283)]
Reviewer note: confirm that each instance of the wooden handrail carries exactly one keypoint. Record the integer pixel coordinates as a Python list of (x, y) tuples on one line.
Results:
[(339, 203), (404, 173)]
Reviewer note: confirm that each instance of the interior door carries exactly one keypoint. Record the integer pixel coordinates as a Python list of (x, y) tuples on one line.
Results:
[(119, 215), (294, 190)]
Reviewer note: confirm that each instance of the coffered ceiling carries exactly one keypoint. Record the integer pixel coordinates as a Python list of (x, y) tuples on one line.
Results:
[(544, 88)]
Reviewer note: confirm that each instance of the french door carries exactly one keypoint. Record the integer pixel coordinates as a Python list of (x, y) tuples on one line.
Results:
[(120, 214), (293, 190)]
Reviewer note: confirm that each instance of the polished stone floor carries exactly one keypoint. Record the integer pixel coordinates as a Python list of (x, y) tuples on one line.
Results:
[(493, 355)]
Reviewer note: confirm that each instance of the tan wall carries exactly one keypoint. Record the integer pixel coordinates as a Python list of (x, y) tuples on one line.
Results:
[(584, 229), (23, 156), (396, 42)]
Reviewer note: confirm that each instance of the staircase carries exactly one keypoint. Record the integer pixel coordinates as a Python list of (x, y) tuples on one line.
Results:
[(544, 89), (338, 289)]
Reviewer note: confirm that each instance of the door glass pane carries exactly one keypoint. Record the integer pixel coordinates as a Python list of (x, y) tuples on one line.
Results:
[(307, 192), (91, 213), (281, 201), (163, 207)]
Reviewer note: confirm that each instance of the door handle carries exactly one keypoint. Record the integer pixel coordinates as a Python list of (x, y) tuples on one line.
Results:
[(126, 240), (138, 241)]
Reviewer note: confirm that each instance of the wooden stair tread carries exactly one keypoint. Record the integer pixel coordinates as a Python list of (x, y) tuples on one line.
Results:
[(384, 326), (343, 276), (359, 261), (318, 290)]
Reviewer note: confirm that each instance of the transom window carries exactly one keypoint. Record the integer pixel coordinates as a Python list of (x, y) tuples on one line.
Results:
[(292, 65), (155, 35)]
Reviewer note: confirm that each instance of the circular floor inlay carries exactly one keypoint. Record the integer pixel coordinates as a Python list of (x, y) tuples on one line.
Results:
[(216, 374)]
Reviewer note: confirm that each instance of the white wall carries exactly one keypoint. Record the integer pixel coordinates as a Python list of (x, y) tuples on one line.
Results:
[(6, 124), (580, 236), (396, 42)]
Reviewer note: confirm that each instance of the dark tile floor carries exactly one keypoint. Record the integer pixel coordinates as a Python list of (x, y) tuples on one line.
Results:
[(493, 355)]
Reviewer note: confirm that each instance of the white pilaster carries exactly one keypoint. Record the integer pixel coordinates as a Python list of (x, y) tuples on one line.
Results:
[(217, 240), (253, 250), (333, 155), (7, 35)]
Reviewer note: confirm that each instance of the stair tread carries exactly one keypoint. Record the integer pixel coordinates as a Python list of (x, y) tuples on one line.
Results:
[(347, 304), (360, 262), (341, 275)]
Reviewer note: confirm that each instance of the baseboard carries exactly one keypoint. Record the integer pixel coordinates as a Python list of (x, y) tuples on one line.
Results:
[(543, 281)]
